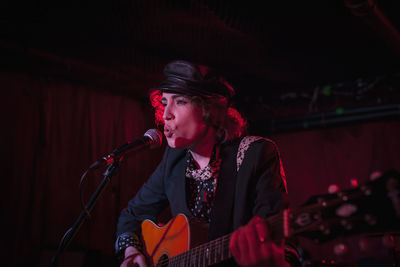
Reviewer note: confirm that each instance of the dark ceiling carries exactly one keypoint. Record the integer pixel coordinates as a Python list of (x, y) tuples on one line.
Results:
[(266, 49)]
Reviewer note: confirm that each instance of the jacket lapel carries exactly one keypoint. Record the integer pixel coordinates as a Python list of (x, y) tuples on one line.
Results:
[(222, 211)]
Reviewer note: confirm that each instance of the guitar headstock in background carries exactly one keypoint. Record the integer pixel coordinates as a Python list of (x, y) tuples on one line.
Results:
[(372, 208)]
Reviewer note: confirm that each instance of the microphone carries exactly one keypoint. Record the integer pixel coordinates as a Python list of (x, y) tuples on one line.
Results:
[(151, 139)]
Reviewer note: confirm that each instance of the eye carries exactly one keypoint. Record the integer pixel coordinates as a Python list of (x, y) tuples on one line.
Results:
[(181, 101), (163, 103)]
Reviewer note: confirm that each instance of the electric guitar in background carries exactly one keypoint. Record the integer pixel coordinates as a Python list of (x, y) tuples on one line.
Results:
[(373, 207)]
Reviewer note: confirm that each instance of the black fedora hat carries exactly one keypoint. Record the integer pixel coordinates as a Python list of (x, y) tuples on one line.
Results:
[(192, 79)]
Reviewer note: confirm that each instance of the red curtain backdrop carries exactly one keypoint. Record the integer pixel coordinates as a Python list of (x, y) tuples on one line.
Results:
[(54, 129)]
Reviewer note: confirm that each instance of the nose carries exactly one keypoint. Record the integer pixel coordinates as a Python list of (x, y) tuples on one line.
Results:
[(167, 115)]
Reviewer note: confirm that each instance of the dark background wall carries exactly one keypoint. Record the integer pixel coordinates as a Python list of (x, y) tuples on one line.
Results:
[(321, 79)]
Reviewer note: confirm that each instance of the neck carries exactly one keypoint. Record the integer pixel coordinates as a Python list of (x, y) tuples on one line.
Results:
[(201, 150)]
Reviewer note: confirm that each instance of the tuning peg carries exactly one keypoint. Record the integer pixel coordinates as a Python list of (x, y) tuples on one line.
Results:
[(333, 188), (340, 249), (375, 175)]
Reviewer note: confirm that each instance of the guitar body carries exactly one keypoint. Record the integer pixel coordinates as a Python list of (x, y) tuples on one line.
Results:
[(165, 242)]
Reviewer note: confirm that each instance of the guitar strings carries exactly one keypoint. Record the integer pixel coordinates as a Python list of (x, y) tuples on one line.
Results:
[(210, 253), (217, 248), (199, 254)]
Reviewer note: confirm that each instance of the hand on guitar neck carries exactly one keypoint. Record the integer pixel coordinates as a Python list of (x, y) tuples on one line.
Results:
[(251, 246)]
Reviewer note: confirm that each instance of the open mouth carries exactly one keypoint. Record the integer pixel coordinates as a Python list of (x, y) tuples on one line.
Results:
[(168, 131)]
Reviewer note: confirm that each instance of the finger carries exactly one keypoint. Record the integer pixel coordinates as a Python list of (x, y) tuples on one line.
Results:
[(234, 244), (244, 242), (262, 230), (140, 261), (261, 246), (251, 238), (250, 244), (134, 259), (127, 263)]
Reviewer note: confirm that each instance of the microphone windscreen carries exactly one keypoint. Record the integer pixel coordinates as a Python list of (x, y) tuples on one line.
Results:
[(155, 136)]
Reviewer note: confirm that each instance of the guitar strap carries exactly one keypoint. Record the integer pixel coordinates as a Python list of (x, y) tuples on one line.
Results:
[(243, 147)]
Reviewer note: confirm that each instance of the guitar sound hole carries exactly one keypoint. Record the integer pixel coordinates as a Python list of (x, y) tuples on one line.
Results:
[(163, 261)]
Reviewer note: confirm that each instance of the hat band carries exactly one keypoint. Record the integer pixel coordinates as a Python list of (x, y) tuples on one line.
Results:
[(175, 84)]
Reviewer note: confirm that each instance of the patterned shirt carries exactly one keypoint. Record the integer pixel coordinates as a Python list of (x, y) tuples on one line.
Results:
[(201, 185)]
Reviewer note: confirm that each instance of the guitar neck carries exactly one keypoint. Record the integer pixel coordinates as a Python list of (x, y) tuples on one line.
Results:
[(218, 250), (204, 255)]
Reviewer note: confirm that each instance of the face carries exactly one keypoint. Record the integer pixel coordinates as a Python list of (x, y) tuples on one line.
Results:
[(184, 125)]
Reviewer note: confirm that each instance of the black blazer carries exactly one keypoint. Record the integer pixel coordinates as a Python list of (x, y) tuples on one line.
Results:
[(258, 188)]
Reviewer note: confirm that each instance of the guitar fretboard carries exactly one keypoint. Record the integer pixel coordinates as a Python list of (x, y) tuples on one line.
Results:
[(204, 255)]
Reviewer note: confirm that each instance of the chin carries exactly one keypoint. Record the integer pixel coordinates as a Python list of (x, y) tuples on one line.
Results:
[(171, 144)]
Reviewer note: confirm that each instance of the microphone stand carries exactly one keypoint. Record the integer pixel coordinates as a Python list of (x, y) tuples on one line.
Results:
[(84, 214)]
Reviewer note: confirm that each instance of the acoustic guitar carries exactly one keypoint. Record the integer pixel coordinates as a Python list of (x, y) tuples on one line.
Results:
[(370, 208)]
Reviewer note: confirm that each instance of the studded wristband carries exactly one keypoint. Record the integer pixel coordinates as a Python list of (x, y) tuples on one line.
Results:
[(127, 240)]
